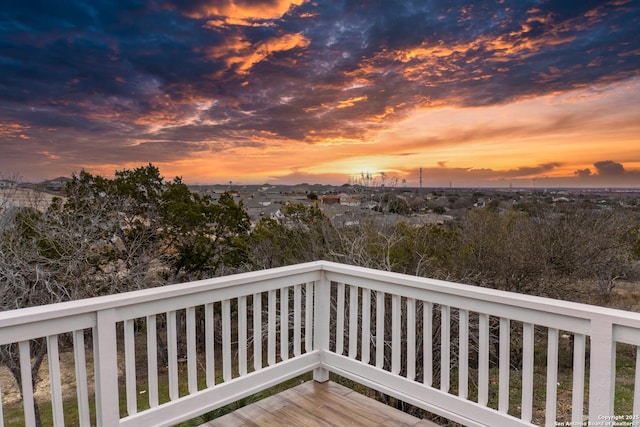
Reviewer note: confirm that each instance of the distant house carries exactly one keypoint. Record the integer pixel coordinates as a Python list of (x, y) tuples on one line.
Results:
[(331, 199), (346, 200), (57, 184)]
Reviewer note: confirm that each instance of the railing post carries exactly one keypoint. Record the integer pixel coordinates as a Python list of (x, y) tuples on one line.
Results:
[(106, 369), (602, 375), (321, 313)]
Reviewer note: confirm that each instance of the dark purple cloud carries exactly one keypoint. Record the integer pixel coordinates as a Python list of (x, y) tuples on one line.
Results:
[(217, 73)]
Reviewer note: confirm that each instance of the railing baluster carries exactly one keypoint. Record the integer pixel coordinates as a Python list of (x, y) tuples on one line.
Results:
[(411, 338), (505, 365), (192, 367), (396, 334), (297, 321), (483, 359), (340, 318), (284, 323), (427, 343), (172, 352), (106, 368), (366, 326), (242, 335), (445, 346), (353, 321), (308, 317), (209, 340), (379, 329), (257, 331), (82, 390), (27, 384), (577, 394), (271, 326), (463, 353), (552, 376), (130, 366), (55, 384), (152, 361), (527, 372), (226, 340)]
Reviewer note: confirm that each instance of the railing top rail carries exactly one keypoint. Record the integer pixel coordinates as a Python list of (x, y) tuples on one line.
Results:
[(88, 305), (541, 304), (349, 273)]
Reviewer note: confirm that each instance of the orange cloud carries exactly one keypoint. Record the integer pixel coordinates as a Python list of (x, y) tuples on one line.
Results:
[(237, 52), (351, 101), (13, 130), (244, 11)]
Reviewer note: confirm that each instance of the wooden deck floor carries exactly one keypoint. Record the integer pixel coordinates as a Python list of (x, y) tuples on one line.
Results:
[(317, 404)]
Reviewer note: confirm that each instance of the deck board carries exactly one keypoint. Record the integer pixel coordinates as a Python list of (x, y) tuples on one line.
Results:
[(318, 405)]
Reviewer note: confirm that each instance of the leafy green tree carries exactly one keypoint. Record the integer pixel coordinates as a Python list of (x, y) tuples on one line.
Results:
[(205, 236)]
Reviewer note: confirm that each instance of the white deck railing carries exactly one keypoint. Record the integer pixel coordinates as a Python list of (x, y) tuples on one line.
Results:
[(473, 355)]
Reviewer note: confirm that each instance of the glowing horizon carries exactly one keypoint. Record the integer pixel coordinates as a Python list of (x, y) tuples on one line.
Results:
[(295, 91)]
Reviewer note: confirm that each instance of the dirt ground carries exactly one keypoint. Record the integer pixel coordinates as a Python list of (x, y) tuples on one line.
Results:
[(11, 392)]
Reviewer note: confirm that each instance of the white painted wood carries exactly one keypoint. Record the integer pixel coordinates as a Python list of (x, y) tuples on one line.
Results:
[(483, 359), (427, 321), (106, 369), (43, 324), (82, 389), (445, 347), (271, 327), (27, 384), (411, 338), (55, 383), (172, 352), (552, 377), (284, 323), (308, 316), (192, 360), (380, 329), (226, 340), (257, 331), (152, 360), (463, 354), (505, 365), (396, 334), (602, 373), (544, 311), (242, 335), (366, 326), (577, 394), (297, 320), (322, 322), (340, 318), (130, 366), (527, 372), (626, 334), (603, 326), (353, 321), (209, 348)]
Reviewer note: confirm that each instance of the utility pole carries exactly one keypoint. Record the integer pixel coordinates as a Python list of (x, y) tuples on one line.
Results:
[(421, 180)]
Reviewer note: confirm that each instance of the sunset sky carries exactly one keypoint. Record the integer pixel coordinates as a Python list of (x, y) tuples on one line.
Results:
[(491, 93)]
